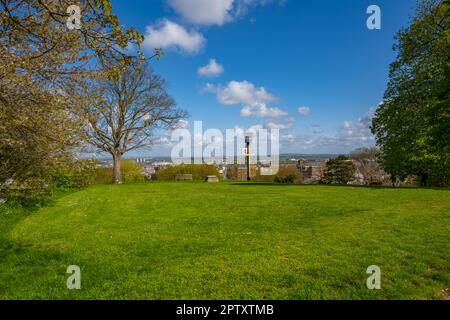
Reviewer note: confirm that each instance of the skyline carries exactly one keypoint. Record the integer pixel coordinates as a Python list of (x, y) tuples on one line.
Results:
[(314, 71)]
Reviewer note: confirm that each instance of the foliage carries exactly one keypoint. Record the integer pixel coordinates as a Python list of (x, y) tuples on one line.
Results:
[(368, 166), (44, 66), (79, 174), (340, 170), (88, 172), (412, 125), (230, 241), (30, 193), (35, 135), (233, 172), (101, 175), (36, 38), (285, 175), (131, 171), (260, 178), (198, 171), (66, 181), (288, 175)]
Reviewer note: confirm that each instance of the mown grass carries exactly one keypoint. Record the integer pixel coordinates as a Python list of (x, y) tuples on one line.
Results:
[(229, 241)]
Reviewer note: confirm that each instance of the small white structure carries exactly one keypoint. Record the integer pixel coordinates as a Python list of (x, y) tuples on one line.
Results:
[(212, 179)]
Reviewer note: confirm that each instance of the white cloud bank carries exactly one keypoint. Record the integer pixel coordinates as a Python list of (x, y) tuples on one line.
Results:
[(254, 100), (172, 36), (214, 12), (212, 69)]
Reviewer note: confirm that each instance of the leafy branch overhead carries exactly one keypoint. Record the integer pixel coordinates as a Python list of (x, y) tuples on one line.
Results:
[(44, 71)]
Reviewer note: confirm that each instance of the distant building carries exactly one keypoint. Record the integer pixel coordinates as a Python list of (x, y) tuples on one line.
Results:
[(239, 172), (313, 171)]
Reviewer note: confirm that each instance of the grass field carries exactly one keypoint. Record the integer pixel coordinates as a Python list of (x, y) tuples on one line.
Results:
[(229, 241)]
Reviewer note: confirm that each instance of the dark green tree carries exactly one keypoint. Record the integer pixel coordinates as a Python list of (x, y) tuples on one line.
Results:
[(340, 170), (412, 125)]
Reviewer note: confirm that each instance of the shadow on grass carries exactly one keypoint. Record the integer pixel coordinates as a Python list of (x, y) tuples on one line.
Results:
[(265, 184), (272, 184), (27, 268)]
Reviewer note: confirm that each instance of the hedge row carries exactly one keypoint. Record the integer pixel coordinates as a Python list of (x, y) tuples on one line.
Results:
[(199, 172)]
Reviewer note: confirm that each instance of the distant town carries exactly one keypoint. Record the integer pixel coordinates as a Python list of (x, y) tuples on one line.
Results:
[(310, 166)]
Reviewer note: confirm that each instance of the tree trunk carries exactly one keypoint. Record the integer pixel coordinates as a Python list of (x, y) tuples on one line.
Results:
[(424, 180), (117, 173), (393, 181)]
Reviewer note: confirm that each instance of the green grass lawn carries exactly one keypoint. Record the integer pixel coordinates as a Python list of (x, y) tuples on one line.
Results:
[(229, 241)]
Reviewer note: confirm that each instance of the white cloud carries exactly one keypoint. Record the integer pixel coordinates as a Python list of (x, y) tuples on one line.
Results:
[(346, 125), (243, 92), (212, 69), (286, 123), (351, 135), (358, 132), (253, 99), (252, 130), (304, 111), (204, 12), (262, 110), (255, 130), (297, 143), (287, 138), (214, 12), (170, 35)]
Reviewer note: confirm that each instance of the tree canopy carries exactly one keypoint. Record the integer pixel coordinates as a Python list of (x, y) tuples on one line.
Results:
[(340, 170), (44, 66), (412, 125)]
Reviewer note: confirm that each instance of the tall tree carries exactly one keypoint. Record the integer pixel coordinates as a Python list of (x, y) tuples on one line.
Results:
[(43, 66), (133, 105), (412, 125)]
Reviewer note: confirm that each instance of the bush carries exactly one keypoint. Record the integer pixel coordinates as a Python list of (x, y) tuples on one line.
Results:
[(233, 172), (199, 172), (78, 175), (102, 175), (285, 175), (288, 175), (131, 172), (87, 172), (67, 181), (31, 193)]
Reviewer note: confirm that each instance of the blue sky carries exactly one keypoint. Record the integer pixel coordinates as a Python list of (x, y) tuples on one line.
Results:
[(310, 68)]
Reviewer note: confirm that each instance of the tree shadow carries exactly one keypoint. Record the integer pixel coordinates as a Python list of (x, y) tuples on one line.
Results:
[(272, 184), (265, 184)]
